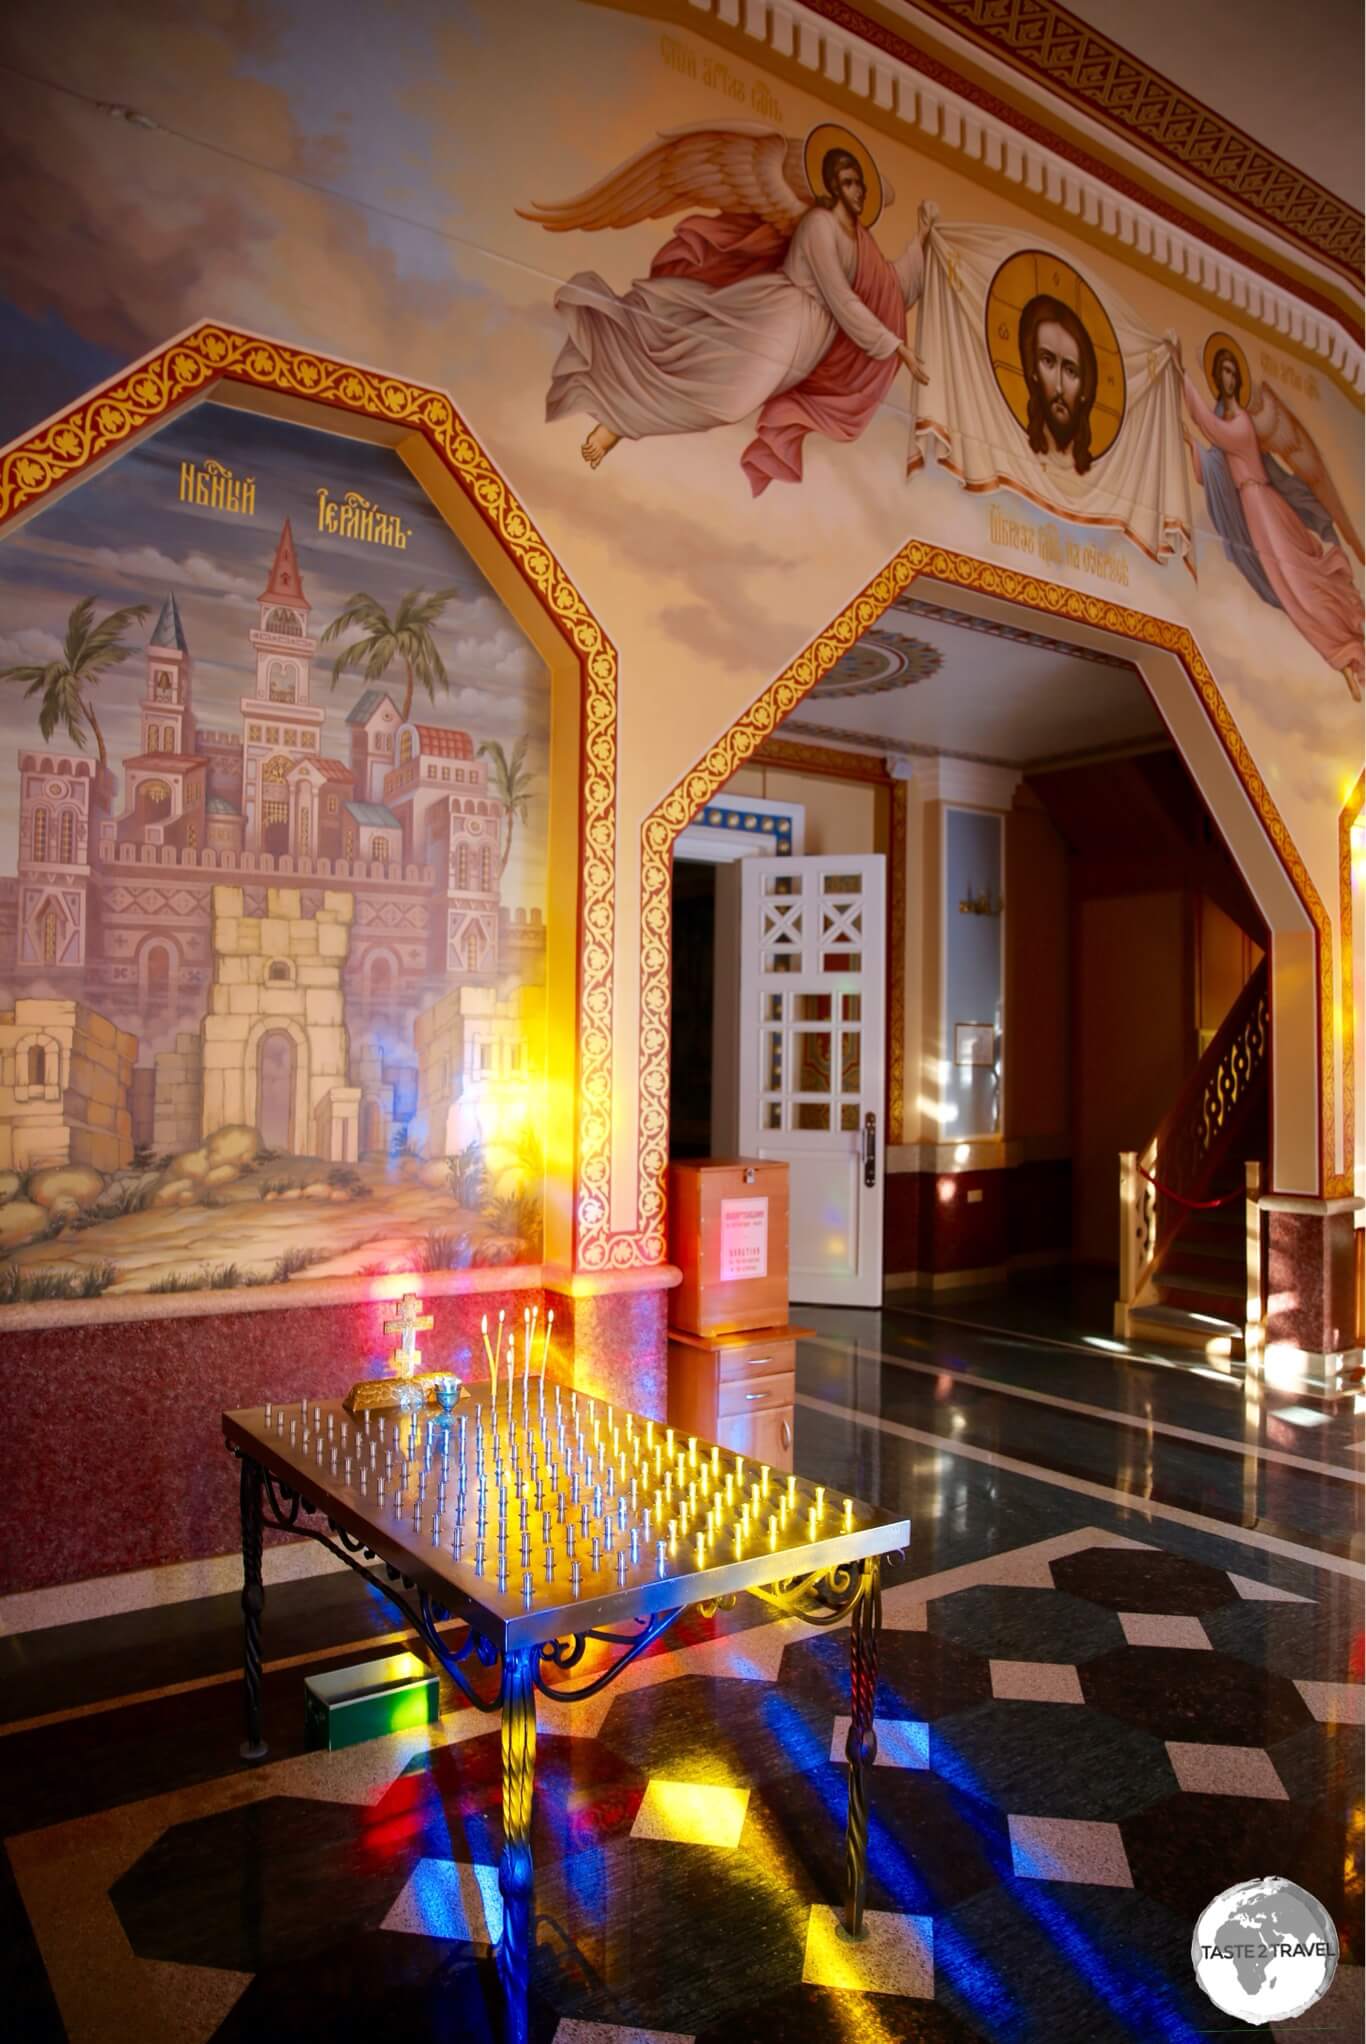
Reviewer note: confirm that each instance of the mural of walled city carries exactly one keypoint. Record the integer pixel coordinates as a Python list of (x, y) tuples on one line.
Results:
[(272, 872)]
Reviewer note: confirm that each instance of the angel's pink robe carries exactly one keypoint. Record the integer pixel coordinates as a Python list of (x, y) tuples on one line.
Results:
[(1313, 581), (734, 319)]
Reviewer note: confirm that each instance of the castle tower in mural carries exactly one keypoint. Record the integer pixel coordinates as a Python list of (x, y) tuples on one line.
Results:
[(396, 849)]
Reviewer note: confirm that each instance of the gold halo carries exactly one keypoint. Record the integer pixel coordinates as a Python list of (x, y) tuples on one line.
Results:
[(1024, 276), (1213, 345), (829, 136)]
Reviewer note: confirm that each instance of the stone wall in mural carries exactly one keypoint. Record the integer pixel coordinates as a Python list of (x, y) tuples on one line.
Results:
[(272, 872)]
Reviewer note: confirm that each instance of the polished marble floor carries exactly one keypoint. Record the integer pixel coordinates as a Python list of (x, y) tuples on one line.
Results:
[(1121, 1670)]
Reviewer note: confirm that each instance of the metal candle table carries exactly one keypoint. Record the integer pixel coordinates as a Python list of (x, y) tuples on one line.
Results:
[(549, 1528)]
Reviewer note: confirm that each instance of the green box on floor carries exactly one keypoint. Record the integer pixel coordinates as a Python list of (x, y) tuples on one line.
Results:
[(349, 1705)]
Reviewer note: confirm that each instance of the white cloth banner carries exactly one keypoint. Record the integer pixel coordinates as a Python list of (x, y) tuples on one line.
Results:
[(1140, 485)]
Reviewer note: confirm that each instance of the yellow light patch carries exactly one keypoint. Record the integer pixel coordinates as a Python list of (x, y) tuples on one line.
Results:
[(692, 1813)]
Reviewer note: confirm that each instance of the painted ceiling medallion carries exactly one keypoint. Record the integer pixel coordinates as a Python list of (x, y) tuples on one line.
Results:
[(880, 661)]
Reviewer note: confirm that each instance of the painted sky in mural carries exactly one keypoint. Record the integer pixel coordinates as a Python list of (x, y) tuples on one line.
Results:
[(282, 954)]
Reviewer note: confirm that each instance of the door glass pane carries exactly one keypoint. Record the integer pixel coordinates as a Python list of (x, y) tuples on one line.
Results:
[(811, 1007), (849, 1116), (811, 1114), (773, 1060), (773, 1007), (851, 1007), (782, 883), (812, 1048), (850, 1060), (841, 961), (773, 1114), (842, 883)]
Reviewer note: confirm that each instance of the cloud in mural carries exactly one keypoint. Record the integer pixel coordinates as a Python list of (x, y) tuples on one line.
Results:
[(149, 565), (29, 647)]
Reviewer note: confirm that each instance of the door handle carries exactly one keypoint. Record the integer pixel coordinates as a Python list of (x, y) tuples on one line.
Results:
[(786, 1433), (870, 1150)]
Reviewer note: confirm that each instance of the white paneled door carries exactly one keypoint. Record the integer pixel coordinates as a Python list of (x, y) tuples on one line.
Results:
[(812, 1075)]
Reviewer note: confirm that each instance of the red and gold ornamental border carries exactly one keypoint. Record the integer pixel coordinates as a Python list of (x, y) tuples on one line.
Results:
[(186, 371), (1348, 815)]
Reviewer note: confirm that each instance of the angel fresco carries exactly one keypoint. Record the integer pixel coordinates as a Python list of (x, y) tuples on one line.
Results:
[(1274, 505), (777, 300)]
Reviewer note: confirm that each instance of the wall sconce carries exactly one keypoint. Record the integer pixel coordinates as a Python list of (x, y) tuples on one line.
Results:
[(983, 904)]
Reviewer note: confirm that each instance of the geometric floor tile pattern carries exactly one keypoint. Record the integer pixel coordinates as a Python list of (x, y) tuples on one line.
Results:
[(1069, 1849), (1051, 1802), (895, 1955), (1225, 1770)]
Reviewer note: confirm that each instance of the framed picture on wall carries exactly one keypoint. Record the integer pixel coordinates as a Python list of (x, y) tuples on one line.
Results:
[(974, 1043)]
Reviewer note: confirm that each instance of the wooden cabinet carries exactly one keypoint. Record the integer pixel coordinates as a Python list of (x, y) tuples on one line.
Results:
[(737, 1390), (728, 1223)]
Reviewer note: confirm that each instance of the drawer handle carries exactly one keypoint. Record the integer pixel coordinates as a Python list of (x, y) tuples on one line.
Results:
[(759, 1362), (752, 1395)]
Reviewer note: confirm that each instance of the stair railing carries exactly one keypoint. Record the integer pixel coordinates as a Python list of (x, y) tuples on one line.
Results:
[(1179, 1164)]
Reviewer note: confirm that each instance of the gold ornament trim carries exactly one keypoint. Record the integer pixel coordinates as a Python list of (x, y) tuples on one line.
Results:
[(1338, 1185), (756, 727), (112, 418)]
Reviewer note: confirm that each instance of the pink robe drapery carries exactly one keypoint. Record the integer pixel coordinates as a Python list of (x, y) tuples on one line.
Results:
[(1312, 581), (841, 394)]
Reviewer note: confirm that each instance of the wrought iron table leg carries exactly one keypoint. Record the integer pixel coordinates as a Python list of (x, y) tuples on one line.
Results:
[(861, 1745), (515, 1872), (253, 1602)]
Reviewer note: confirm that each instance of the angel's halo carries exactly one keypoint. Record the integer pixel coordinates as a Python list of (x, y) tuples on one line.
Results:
[(831, 136), (1218, 344)]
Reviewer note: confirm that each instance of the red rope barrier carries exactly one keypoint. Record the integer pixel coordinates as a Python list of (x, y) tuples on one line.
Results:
[(1196, 1205)]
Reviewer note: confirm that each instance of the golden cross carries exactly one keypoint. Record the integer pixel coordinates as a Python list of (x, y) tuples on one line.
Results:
[(410, 1322)]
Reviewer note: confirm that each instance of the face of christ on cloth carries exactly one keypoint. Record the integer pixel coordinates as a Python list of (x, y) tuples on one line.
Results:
[(1058, 357)]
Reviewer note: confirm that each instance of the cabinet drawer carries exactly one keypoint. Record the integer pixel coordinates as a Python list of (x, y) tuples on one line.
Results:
[(758, 1359), (755, 1394)]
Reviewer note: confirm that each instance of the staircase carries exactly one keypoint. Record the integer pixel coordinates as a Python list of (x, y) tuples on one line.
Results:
[(1183, 1261)]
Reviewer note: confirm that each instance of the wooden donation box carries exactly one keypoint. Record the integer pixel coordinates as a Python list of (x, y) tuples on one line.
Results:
[(732, 1354)]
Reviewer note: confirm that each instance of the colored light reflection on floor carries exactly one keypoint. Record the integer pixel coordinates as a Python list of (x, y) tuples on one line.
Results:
[(445, 1899), (692, 1813)]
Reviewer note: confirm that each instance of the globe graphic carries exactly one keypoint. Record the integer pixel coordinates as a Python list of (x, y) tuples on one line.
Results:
[(1265, 1950)]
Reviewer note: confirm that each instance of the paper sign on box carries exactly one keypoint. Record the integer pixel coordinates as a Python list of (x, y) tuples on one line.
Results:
[(744, 1239)]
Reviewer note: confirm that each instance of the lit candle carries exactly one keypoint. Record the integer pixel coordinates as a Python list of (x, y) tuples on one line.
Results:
[(811, 1523), (848, 1512), (493, 1365)]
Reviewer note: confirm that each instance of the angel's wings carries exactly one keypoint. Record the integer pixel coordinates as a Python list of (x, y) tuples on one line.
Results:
[(741, 168), (1279, 432)]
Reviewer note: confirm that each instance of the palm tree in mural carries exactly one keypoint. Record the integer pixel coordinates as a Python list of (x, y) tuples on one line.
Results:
[(64, 685), (512, 782), (405, 637)]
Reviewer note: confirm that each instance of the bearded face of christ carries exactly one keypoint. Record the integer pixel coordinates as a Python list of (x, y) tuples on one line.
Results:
[(1059, 363)]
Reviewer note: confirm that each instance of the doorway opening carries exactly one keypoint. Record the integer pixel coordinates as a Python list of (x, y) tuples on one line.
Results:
[(1081, 956), (276, 1070)]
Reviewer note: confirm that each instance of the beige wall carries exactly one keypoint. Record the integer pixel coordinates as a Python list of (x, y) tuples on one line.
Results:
[(1225, 958), (1037, 1103), (841, 816)]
